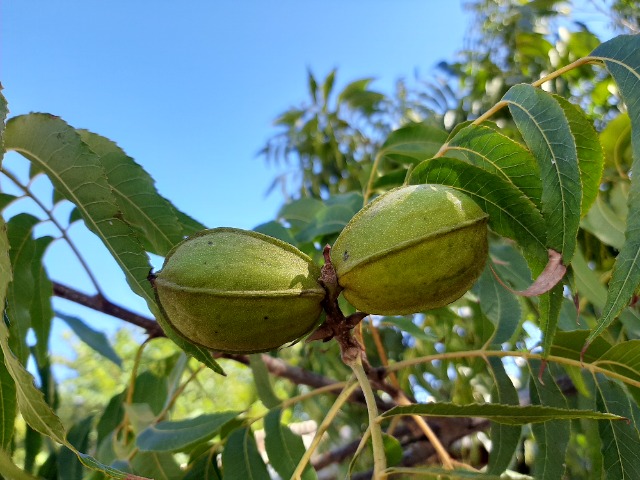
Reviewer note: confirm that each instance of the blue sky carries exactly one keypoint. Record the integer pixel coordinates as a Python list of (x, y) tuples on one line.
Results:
[(190, 92)]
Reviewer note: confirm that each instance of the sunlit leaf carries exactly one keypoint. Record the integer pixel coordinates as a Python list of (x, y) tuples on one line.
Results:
[(545, 129), (151, 215), (11, 470), (588, 149), (392, 449), (615, 139), (504, 414), (498, 154), (621, 56), (77, 173)]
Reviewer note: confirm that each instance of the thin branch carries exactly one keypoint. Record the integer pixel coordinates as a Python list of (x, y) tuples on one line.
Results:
[(276, 366), (101, 304), (61, 229)]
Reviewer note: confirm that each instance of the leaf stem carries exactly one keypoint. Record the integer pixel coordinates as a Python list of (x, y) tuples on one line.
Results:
[(591, 367), (351, 385), (563, 70), (379, 457), (374, 168), (61, 229)]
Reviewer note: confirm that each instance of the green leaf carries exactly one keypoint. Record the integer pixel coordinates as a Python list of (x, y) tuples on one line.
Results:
[(406, 325), (588, 149), (41, 310), (204, 468), (262, 381), (621, 56), (151, 389), (331, 219), (624, 360), (158, 466), (498, 154), (546, 131), (300, 213), (510, 213), (181, 435), (96, 340), (504, 438), (284, 448), (619, 439), (552, 438), (412, 143), (276, 230), (499, 305), (69, 466), (7, 382), (31, 404), (11, 470), (77, 173), (151, 215), (4, 111), (549, 307), (7, 405), (241, 459), (392, 449), (587, 282), (605, 224), (32, 447), (22, 290), (500, 413), (111, 417), (438, 473), (327, 86), (6, 199), (570, 344), (615, 139)]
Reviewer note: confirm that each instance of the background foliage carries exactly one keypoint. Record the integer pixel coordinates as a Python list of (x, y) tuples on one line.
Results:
[(537, 120)]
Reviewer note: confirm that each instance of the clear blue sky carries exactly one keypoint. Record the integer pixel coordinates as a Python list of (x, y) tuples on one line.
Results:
[(190, 89)]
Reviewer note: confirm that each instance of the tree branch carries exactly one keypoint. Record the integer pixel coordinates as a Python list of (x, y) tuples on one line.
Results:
[(276, 366), (99, 303)]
